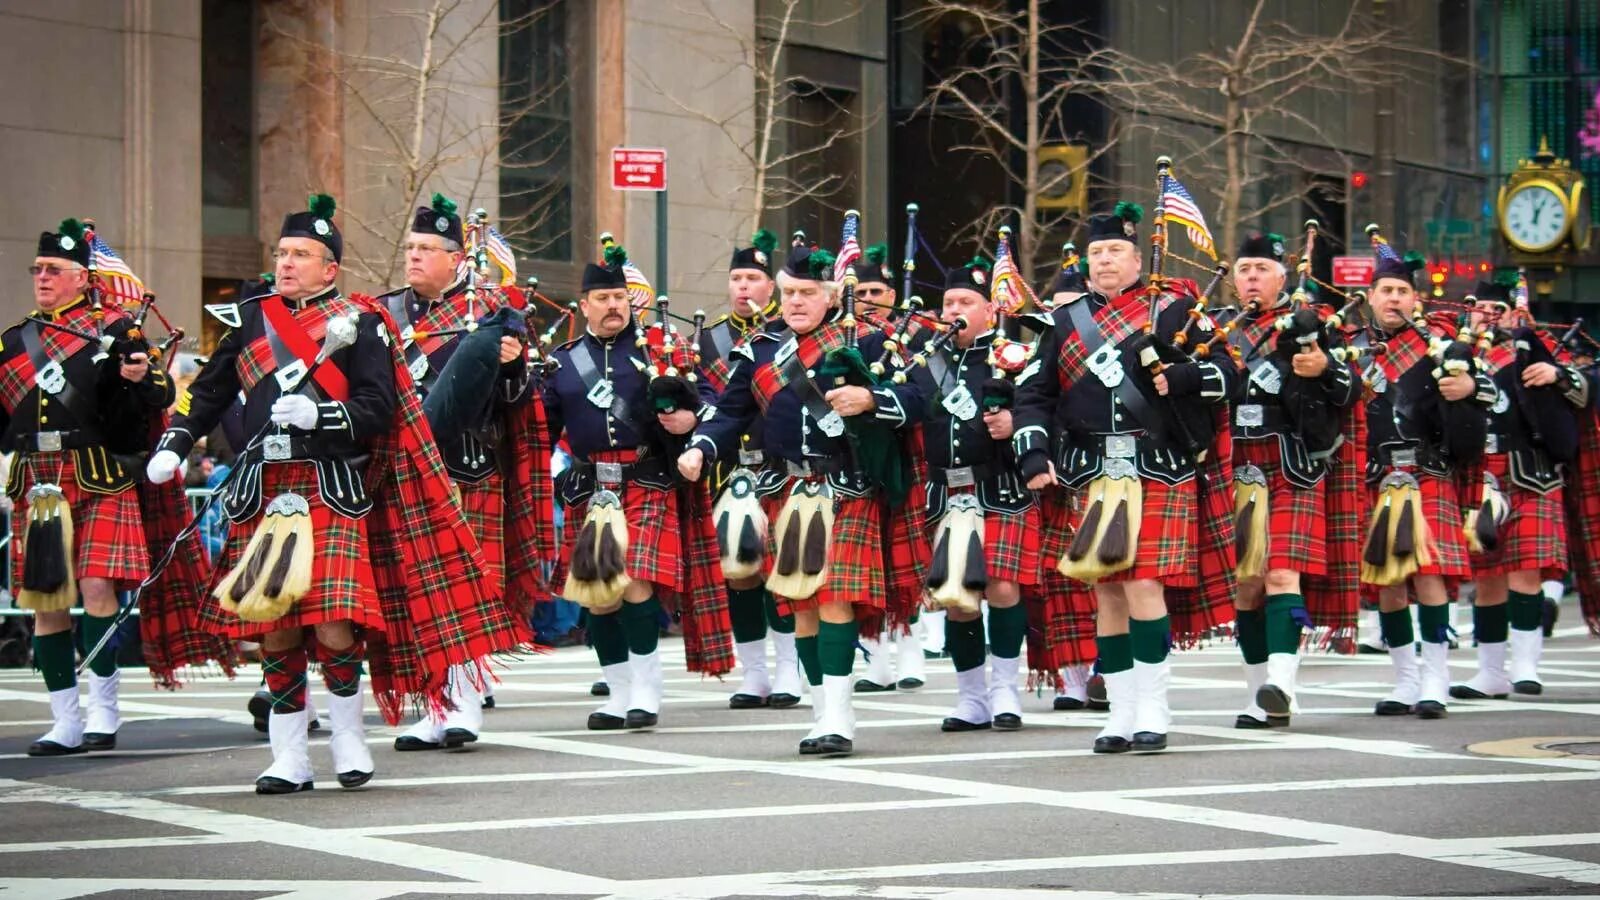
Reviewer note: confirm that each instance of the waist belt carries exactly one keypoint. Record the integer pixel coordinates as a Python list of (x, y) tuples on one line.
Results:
[(811, 467), (285, 447), (1407, 457), (751, 457), (1265, 416), (967, 476), (617, 473), (52, 441)]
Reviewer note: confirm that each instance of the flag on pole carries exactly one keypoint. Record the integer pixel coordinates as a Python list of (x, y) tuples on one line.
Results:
[(1180, 207), (1007, 287), (116, 279), (849, 250), (502, 261), (1381, 245), (640, 293)]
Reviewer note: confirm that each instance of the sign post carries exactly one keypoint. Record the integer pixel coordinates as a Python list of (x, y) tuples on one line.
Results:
[(1353, 271), (645, 169)]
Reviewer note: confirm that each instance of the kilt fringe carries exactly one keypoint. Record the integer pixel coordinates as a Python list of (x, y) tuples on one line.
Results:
[(1106, 541), (1399, 540), (598, 574), (274, 571), (804, 538)]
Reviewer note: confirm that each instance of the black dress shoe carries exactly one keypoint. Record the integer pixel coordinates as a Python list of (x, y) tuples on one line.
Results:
[(1366, 649), (866, 686), (600, 689), (1096, 690), (1277, 721), (1007, 722), (354, 778), (1112, 743), (260, 707), (51, 748), (809, 747), (638, 718), (98, 740), (488, 703), (909, 684), (599, 721), (313, 725), (1552, 614), (782, 701), (1064, 703), (835, 745), (1431, 709), (1467, 692), (935, 654), (1528, 687), (458, 737), (1391, 708), (408, 742), (1149, 742), (951, 723), (746, 701), (1245, 720), (267, 784), (1273, 699)]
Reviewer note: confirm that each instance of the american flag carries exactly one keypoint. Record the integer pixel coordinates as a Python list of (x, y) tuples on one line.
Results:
[(849, 250), (501, 258), (1007, 287), (1180, 207), (116, 279), (1381, 245), (639, 290)]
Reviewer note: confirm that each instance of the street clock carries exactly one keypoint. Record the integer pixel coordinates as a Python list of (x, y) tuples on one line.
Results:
[(1543, 209)]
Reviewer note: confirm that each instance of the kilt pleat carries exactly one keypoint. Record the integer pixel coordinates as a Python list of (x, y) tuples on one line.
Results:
[(1296, 524), (1534, 534), (107, 530)]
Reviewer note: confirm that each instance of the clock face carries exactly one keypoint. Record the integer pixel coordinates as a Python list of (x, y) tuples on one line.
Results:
[(1535, 218)]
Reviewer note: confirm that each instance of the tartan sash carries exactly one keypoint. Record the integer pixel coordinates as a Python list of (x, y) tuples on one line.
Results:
[(292, 341)]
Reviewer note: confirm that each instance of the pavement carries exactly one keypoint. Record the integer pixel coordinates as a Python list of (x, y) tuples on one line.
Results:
[(716, 803)]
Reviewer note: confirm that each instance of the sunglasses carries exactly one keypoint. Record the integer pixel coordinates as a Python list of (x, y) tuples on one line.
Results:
[(52, 271), (871, 292)]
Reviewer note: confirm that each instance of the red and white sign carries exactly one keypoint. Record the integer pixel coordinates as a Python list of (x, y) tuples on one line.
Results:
[(638, 169), (1353, 271)]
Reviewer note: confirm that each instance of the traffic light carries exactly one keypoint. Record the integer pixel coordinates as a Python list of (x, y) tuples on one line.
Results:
[(1358, 180), (1438, 274)]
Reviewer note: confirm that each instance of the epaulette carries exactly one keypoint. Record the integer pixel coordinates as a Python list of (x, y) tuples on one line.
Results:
[(228, 313)]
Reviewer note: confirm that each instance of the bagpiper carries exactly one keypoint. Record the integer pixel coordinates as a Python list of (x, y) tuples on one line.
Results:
[(345, 528), (78, 389), (1517, 527), (1290, 406), (751, 309), (1117, 411), (839, 556), (469, 364), (636, 535), (1425, 437)]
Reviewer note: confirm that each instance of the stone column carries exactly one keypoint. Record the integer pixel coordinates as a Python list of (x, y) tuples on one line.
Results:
[(610, 128), (300, 107)]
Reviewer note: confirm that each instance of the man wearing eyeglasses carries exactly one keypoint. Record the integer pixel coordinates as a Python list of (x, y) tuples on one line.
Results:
[(70, 408)]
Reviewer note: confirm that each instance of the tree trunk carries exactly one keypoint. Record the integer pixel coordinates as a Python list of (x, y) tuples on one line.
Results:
[(1028, 228)]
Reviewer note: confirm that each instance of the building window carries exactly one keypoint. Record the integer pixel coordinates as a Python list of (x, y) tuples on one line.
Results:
[(227, 118), (536, 127)]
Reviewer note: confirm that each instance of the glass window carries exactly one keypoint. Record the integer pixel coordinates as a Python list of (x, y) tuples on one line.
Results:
[(227, 117), (536, 153)]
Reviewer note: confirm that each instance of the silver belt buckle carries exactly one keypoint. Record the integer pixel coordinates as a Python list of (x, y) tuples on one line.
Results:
[(1250, 415), (751, 457), (608, 472), (959, 477), (1403, 458), (276, 448), (797, 469), (49, 441), (1121, 446), (1491, 444)]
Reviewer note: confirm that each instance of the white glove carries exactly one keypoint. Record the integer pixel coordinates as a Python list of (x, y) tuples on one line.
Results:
[(162, 466), (296, 410)]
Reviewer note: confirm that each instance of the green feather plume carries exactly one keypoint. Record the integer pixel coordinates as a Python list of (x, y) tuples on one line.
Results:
[(1128, 212), (321, 205), (877, 254), (764, 240), (820, 262), (268, 278), (443, 205), (615, 255), (1414, 260), (72, 228), (1276, 238), (1505, 277), (979, 262)]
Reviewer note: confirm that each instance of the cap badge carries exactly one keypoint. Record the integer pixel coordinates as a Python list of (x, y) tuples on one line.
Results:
[(442, 224), (1277, 248), (977, 276), (320, 226), (1127, 228), (67, 243), (761, 257)]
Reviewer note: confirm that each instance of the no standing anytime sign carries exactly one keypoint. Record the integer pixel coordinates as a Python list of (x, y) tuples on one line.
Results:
[(638, 169)]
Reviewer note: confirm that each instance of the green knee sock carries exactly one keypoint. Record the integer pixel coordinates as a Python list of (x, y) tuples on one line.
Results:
[(1250, 630), (639, 622), (1115, 653), (1396, 628), (1283, 626), (1434, 621), (780, 624), (1526, 611), (104, 663), (836, 647), (1150, 638), (608, 637), (1007, 627), (1489, 624), (54, 658), (746, 607), (964, 642), (810, 659)]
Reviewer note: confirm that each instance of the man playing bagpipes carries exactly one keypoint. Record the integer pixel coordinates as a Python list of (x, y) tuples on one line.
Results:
[(1425, 432), (344, 522), (1132, 419), (470, 369), (1517, 526), (750, 605), (77, 389), (840, 552), (635, 535), (984, 526), (1288, 416)]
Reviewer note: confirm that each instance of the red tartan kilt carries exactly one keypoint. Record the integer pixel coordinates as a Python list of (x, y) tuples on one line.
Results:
[(1070, 608), (483, 506), (1010, 544), (107, 530), (1297, 525), (1168, 534), (342, 585), (1442, 509), (655, 546), (1534, 534), (857, 571)]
